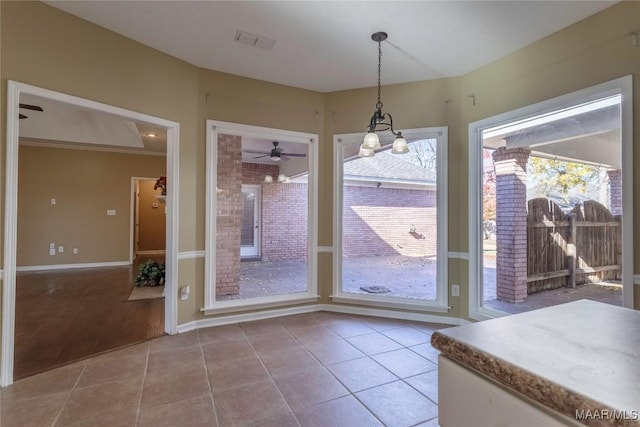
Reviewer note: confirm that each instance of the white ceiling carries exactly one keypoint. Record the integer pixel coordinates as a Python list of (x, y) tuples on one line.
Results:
[(326, 46)]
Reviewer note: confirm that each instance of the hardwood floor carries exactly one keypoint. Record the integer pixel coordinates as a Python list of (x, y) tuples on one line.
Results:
[(67, 315)]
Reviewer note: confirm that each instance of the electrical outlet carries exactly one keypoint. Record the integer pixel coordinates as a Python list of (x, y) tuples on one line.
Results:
[(52, 251), (184, 293), (53, 201), (52, 245), (75, 251), (60, 249), (111, 212), (455, 290)]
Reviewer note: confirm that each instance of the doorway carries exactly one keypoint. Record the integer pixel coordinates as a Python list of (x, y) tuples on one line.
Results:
[(17, 93), (148, 218), (250, 222)]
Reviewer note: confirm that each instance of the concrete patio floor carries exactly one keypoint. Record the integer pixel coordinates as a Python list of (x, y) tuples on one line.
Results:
[(407, 277)]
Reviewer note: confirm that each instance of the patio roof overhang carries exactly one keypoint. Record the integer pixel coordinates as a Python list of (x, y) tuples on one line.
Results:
[(588, 133)]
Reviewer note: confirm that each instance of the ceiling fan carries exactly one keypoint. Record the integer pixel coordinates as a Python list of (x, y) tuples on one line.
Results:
[(276, 154), (28, 107)]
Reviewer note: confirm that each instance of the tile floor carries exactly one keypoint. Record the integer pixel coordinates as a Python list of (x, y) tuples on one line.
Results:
[(314, 369)]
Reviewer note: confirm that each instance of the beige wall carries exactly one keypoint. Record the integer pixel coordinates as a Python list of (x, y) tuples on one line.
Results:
[(85, 184), (151, 218), (47, 48)]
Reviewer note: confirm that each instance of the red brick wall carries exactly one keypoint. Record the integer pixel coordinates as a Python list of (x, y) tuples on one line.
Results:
[(511, 223), (378, 221), (284, 214), (615, 191), (228, 215)]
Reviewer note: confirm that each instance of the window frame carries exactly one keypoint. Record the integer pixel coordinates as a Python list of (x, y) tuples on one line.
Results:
[(211, 304), (441, 303), (622, 86)]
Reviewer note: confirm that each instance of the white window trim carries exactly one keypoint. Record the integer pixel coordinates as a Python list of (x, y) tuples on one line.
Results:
[(441, 303), (211, 305), (622, 85)]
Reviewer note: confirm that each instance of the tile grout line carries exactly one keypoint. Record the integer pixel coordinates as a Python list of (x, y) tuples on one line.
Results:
[(144, 377), (206, 372), (57, 417), (295, 417), (333, 375)]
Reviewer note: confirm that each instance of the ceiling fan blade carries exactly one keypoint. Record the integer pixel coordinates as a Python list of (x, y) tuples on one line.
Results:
[(22, 116), (294, 154), (265, 155), (255, 152), (31, 107), (284, 157)]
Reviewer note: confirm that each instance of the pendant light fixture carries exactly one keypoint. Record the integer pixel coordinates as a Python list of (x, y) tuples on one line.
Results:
[(381, 121)]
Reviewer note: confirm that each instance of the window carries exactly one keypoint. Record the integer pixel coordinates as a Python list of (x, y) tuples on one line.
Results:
[(390, 234), (261, 225), (550, 203)]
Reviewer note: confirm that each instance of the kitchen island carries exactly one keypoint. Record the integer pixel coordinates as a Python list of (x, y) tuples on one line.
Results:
[(572, 364)]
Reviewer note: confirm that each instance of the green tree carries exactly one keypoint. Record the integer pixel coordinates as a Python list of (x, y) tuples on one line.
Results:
[(562, 177)]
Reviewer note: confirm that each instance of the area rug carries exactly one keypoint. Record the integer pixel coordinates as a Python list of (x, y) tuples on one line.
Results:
[(146, 292)]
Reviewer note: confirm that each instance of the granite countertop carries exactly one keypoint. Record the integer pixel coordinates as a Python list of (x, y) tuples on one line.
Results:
[(583, 355)]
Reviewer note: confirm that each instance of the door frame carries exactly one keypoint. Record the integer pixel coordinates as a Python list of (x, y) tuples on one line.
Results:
[(257, 230), (14, 91)]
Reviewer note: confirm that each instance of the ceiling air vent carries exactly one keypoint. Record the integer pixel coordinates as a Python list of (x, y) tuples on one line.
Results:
[(253, 40)]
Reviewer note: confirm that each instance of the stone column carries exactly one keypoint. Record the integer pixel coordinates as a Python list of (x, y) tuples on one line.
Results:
[(228, 215), (615, 191), (511, 223)]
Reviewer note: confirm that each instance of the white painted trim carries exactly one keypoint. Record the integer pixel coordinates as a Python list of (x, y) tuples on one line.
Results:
[(458, 255), (234, 306), (393, 314), (325, 249), (14, 91), (621, 85), (441, 303), (390, 302), (73, 266), (636, 279), (361, 311), (1, 278), (153, 252), (213, 129), (191, 255), (54, 144)]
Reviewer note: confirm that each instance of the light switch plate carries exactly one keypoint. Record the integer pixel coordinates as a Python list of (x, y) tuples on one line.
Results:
[(111, 212)]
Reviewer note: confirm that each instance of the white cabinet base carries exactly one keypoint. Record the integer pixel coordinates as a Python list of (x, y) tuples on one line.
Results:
[(469, 399)]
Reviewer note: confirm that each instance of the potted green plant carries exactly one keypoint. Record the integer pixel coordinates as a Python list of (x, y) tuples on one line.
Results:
[(150, 273)]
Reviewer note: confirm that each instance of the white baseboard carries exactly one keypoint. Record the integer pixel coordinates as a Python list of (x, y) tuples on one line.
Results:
[(72, 266), (269, 314), (152, 252)]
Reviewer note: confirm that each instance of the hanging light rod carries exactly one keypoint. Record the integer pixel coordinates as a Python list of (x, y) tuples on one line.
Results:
[(380, 121)]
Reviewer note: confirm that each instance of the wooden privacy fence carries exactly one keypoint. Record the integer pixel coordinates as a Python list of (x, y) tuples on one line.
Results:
[(583, 246)]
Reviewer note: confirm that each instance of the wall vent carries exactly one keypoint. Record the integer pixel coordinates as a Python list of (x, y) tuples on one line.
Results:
[(249, 39)]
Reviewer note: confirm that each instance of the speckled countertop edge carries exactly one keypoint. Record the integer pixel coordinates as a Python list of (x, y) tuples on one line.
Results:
[(533, 386)]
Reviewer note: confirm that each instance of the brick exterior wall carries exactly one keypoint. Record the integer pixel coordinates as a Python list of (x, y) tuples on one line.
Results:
[(284, 221), (378, 221), (284, 213), (511, 223), (615, 191), (228, 215)]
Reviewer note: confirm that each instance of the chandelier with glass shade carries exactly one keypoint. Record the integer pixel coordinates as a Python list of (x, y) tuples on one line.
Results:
[(380, 121)]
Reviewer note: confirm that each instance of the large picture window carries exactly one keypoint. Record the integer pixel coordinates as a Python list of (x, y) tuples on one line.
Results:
[(390, 222), (550, 203), (261, 232)]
